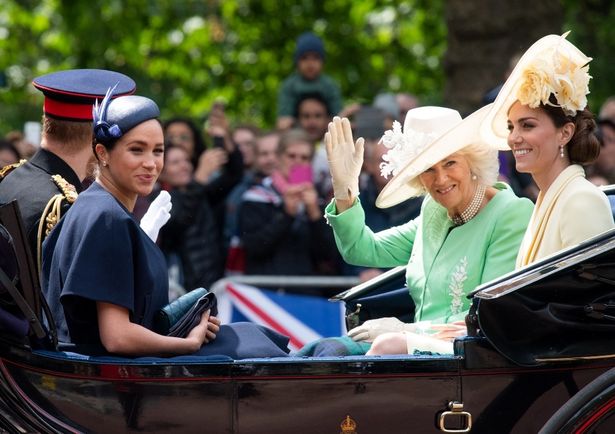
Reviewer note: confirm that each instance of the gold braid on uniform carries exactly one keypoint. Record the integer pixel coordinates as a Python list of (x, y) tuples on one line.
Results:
[(53, 212), (9, 168)]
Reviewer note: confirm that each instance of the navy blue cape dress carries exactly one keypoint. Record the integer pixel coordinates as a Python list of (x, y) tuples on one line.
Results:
[(98, 253)]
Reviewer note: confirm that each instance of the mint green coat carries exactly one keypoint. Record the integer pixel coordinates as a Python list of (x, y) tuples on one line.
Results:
[(445, 263)]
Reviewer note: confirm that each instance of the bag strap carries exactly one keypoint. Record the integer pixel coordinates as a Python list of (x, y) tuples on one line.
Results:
[(21, 302), (10, 218)]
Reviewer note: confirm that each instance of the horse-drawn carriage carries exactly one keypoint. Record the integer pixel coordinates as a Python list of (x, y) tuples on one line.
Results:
[(538, 337)]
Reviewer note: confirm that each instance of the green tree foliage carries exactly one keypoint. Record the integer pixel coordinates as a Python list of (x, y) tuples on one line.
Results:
[(186, 54), (591, 25)]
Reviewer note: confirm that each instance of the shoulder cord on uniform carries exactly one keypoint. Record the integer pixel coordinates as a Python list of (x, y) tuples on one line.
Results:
[(51, 215), (4, 171)]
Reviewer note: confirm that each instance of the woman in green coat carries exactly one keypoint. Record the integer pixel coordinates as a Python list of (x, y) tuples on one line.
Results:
[(468, 232)]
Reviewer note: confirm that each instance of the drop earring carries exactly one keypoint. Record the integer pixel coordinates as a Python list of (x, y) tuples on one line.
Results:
[(561, 151)]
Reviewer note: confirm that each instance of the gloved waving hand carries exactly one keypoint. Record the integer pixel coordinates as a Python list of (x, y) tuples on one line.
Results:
[(158, 213), (345, 158)]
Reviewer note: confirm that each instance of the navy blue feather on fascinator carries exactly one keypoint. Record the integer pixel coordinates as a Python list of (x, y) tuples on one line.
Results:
[(115, 117), (102, 130)]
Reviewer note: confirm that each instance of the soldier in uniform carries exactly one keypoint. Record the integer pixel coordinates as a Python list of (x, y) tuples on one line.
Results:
[(49, 183)]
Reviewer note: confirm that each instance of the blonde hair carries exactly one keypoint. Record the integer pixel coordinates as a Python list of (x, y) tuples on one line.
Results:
[(483, 162), (293, 136)]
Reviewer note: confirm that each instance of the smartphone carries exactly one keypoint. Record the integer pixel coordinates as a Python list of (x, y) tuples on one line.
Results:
[(300, 173), (218, 142), (216, 116)]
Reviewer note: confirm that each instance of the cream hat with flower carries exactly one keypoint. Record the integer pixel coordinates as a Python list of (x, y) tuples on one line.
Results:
[(552, 65), (430, 134)]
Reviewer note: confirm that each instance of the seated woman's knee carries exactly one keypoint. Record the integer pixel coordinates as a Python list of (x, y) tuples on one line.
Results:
[(389, 343)]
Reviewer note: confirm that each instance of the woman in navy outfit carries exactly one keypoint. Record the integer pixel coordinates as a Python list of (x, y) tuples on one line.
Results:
[(103, 276)]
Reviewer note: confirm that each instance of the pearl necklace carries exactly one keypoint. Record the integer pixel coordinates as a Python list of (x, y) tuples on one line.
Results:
[(470, 212)]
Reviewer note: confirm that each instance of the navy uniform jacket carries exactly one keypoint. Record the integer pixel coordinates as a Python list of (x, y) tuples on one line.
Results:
[(32, 185)]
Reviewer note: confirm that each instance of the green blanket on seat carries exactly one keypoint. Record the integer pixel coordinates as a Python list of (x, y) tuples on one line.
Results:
[(331, 347)]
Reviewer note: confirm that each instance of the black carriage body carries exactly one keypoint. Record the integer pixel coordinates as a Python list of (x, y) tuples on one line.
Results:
[(47, 392), (480, 389)]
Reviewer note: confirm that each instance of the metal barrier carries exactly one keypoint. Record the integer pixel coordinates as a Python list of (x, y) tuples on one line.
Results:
[(291, 283)]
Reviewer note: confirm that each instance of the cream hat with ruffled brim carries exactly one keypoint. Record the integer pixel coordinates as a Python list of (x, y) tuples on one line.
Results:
[(494, 130), (452, 135)]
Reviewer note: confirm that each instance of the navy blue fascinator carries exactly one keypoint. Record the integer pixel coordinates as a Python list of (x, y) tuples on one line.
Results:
[(115, 117)]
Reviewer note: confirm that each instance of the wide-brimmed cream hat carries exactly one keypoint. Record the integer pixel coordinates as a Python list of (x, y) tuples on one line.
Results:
[(432, 134), (552, 65)]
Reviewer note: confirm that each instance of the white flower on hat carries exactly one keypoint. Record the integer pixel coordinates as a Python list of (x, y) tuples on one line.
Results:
[(572, 89), (536, 84), (556, 74), (402, 147)]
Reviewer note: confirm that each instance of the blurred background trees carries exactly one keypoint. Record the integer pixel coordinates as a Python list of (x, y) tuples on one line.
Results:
[(186, 54)]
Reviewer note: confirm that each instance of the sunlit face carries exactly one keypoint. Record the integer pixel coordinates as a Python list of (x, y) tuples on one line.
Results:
[(449, 183), (134, 164), (245, 139), (295, 153), (267, 160), (310, 65), (313, 118), (177, 170), (180, 134), (534, 140)]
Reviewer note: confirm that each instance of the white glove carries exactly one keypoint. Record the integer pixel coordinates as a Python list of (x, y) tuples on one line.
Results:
[(371, 329), (345, 158), (158, 213)]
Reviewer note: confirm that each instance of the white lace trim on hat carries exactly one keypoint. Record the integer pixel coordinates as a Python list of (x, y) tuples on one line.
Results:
[(402, 147)]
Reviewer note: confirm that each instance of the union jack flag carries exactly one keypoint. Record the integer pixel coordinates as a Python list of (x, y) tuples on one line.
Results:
[(303, 318)]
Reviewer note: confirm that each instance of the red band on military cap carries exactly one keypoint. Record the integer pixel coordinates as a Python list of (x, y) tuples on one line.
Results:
[(64, 110)]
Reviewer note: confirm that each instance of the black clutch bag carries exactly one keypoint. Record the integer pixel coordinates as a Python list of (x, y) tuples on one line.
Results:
[(182, 315)]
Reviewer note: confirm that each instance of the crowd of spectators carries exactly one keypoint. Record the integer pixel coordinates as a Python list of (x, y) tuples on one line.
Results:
[(251, 201)]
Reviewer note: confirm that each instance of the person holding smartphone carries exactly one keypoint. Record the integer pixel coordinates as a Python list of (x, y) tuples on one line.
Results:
[(281, 221)]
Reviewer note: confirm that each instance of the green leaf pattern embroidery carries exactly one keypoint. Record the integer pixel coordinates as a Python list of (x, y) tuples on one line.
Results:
[(456, 292)]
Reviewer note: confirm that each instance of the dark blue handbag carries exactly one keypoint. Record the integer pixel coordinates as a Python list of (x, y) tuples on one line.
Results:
[(182, 315)]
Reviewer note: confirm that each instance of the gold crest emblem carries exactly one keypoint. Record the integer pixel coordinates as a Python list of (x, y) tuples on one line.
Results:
[(348, 426)]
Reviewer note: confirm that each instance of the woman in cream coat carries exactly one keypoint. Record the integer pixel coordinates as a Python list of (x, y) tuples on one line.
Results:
[(541, 115)]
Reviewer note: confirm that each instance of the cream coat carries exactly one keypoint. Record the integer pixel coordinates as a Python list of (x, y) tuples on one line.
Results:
[(571, 211)]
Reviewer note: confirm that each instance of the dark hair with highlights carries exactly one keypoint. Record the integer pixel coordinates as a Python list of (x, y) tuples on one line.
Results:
[(584, 145)]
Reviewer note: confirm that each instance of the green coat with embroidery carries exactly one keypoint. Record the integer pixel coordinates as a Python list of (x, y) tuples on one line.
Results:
[(444, 262)]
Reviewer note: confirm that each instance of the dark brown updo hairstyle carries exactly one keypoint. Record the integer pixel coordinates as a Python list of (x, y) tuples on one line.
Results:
[(584, 145)]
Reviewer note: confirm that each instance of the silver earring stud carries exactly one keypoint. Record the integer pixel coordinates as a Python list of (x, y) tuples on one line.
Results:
[(474, 177), (104, 163)]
